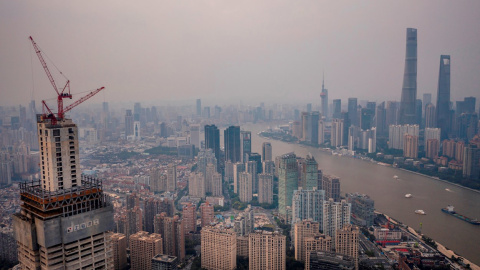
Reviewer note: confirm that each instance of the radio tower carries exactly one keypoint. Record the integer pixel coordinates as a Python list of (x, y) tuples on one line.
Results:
[(324, 98), (65, 217)]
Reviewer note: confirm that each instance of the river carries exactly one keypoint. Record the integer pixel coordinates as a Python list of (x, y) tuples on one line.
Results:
[(377, 181)]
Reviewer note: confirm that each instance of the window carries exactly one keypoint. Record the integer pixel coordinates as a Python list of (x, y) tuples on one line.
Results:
[(56, 132), (57, 139), (57, 144)]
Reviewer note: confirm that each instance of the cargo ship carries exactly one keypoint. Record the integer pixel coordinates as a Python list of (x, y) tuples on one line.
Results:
[(450, 210)]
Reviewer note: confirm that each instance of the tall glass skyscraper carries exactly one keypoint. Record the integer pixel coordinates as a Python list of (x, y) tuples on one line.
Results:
[(443, 97), (409, 89), (232, 144), (212, 141)]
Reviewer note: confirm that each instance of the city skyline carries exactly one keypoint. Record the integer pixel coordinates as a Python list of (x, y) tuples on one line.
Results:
[(136, 55)]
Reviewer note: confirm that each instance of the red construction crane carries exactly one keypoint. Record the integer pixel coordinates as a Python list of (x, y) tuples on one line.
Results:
[(60, 94)]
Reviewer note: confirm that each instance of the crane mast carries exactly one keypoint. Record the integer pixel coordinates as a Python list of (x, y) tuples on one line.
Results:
[(60, 94)]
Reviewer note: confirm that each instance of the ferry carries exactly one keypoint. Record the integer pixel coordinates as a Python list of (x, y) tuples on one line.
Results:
[(408, 195), (450, 210), (420, 212), (395, 177)]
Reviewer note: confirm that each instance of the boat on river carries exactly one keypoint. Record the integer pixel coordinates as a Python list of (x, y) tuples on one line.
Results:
[(451, 211), (420, 212), (408, 195), (395, 177)]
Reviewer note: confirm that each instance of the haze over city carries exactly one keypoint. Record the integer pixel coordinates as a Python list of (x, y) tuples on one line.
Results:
[(272, 51)]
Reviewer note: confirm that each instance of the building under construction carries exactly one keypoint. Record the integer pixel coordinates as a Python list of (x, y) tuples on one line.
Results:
[(65, 217)]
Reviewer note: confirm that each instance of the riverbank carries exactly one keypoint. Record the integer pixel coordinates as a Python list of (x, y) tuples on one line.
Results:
[(440, 248), (329, 151)]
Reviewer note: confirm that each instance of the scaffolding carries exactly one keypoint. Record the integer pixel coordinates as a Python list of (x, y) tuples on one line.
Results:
[(65, 202)]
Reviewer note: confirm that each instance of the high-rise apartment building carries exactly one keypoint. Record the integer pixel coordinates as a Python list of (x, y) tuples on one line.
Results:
[(443, 116), (317, 242), (63, 208), (174, 237), (219, 248), (251, 167), (321, 132), (410, 146), (335, 216), (171, 177), (134, 222), (267, 250), (232, 144), (238, 168), (266, 151), (196, 185), (409, 88), (119, 251), (397, 133), (331, 185), (153, 207), (471, 162), (347, 242), (303, 229), (245, 187), (287, 181), (189, 214), (432, 148), (336, 139), (207, 212), (143, 247), (459, 151), (308, 204), (265, 188)]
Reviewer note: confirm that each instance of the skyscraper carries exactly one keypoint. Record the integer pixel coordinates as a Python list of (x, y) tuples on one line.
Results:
[(195, 135), (308, 204), (62, 209), (287, 181), (212, 141), (266, 151), (189, 215), (337, 108), (443, 97), (245, 186), (246, 144), (232, 144), (352, 111), (128, 123), (206, 210), (409, 89), (335, 216), (199, 107), (309, 169), (430, 114)]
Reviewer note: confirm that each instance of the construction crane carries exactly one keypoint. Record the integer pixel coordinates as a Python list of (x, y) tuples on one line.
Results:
[(47, 112)]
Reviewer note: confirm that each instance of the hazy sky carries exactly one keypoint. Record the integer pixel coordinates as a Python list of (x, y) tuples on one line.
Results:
[(271, 51)]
